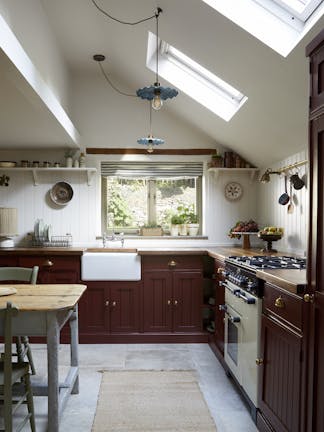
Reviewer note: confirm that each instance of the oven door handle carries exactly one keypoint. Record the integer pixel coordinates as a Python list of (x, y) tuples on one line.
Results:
[(232, 290), (248, 300), (233, 319)]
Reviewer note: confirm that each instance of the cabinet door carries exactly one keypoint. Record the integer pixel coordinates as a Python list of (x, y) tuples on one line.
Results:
[(94, 309), (280, 376), (124, 307), (317, 80), (187, 301), (157, 303), (315, 277)]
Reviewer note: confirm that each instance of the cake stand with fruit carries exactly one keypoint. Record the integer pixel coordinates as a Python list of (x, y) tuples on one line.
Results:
[(244, 229), (269, 235)]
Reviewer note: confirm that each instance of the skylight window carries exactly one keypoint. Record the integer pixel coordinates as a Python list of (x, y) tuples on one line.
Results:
[(280, 24), (195, 80)]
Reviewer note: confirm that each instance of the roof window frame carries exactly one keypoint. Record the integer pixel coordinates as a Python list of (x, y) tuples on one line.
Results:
[(274, 23), (196, 81)]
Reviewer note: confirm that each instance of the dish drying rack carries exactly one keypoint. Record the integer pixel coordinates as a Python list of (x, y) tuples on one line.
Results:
[(55, 241)]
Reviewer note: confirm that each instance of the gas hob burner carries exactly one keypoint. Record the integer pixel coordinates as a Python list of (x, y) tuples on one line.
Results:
[(268, 262)]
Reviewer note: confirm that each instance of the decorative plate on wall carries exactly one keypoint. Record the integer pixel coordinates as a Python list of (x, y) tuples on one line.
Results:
[(233, 191), (61, 193)]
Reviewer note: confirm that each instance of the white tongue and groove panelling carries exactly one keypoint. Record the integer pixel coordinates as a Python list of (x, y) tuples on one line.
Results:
[(270, 212)]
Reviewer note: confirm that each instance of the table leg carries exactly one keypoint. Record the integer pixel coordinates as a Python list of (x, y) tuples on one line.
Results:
[(53, 339), (74, 346)]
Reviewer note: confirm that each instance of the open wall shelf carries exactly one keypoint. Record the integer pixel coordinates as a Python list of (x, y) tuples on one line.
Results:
[(90, 172), (218, 171)]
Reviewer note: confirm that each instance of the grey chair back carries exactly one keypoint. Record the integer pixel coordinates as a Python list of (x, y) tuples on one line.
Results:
[(23, 274)]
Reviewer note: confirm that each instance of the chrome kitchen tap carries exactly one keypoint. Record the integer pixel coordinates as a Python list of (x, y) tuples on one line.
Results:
[(113, 237)]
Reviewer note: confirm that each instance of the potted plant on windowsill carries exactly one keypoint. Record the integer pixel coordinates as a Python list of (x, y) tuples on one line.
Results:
[(151, 229), (176, 221), (188, 220), (192, 224)]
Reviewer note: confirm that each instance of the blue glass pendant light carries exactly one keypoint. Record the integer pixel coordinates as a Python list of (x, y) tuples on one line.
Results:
[(150, 141), (156, 93)]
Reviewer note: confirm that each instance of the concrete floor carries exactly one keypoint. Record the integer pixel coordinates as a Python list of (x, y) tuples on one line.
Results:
[(225, 405)]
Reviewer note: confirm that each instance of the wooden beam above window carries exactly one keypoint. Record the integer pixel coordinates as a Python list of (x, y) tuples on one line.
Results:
[(90, 150)]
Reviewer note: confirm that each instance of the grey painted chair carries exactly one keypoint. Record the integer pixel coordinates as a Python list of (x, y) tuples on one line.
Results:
[(29, 275), (15, 386)]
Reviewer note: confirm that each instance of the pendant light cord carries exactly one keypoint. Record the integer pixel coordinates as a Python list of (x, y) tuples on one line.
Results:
[(126, 22), (157, 13), (112, 85)]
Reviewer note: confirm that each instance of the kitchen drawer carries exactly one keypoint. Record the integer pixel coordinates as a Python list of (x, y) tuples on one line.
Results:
[(50, 262), (284, 305), (173, 262)]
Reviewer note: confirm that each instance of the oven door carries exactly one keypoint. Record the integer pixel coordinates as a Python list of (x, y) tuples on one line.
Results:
[(233, 341)]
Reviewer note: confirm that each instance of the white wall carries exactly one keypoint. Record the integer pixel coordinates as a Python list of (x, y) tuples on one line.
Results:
[(105, 118), (270, 212), (39, 44), (81, 217)]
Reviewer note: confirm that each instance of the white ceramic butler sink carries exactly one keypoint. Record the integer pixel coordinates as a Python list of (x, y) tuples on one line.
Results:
[(110, 266)]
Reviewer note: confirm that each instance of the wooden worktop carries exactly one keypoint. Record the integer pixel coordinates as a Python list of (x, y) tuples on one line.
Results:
[(293, 280)]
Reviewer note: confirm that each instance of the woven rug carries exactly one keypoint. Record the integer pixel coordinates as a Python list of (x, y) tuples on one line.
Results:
[(151, 401)]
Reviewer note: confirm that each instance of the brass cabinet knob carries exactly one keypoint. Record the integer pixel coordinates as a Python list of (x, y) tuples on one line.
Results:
[(169, 302), (172, 263), (220, 270), (309, 298), (107, 303), (48, 263), (175, 302), (114, 304), (279, 303), (259, 361)]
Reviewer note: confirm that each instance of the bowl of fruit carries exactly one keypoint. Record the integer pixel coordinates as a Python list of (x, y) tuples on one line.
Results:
[(270, 234)]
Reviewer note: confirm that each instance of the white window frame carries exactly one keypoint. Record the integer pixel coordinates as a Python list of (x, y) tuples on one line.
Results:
[(193, 79), (151, 204), (273, 22)]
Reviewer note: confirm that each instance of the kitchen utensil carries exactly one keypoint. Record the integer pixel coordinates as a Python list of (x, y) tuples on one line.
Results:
[(284, 198), (290, 205), (296, 181), (61, 193)]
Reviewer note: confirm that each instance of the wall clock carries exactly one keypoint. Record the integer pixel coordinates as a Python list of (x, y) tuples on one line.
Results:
[(233, 191)]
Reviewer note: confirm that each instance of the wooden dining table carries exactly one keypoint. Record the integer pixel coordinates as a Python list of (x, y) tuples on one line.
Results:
[(43, 311)]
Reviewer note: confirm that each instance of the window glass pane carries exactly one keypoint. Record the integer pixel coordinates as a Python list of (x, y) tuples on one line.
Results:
[(126, 203), (170, 194)]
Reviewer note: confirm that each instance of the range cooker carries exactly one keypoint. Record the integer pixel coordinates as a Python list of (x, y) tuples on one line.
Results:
[(243, 308)]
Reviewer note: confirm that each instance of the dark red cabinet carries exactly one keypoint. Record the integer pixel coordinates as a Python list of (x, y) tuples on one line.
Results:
[(315, 261), (109, 307), (281, 362), (219, 300), (173, 294), (157, 301), (54, 268), (280, 386)]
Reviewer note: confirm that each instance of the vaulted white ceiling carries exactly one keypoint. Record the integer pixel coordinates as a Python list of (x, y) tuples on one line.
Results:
[(271, 125)]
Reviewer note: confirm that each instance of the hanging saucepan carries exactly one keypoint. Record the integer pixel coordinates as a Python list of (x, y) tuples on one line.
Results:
[(284, 198), (296, 181)]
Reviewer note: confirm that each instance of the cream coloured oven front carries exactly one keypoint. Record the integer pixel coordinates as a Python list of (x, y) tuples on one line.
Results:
[(242, 337)]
